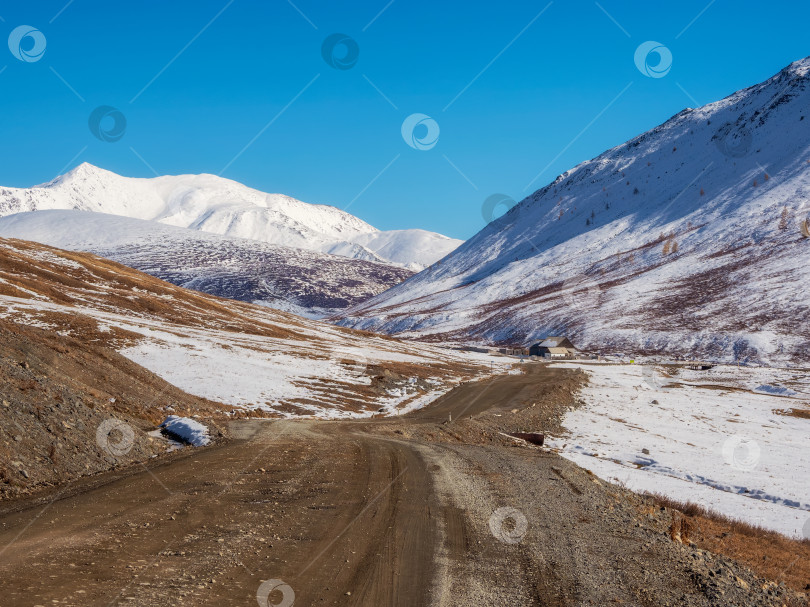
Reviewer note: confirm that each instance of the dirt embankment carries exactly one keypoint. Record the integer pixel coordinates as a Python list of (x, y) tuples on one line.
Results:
[(71, 408), (418, 510)]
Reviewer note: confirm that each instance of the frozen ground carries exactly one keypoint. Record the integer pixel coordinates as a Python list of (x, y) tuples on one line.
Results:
[(324, 377), (710, 437)]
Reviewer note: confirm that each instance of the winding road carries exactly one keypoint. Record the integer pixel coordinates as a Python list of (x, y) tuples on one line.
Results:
[(410, 511)]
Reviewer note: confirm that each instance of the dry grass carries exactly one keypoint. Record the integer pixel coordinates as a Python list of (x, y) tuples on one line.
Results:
[(769, 554), (801, 413), (68, 278)]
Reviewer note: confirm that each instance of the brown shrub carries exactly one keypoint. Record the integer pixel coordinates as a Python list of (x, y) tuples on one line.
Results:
[(769, 554)]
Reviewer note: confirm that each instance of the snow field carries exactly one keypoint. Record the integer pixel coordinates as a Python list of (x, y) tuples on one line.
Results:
[(723, 448)]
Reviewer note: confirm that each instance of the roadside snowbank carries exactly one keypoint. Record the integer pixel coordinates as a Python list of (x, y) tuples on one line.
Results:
[(189, 430)]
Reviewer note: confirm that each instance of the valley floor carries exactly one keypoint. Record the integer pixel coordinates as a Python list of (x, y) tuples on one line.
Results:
[(414, 510), (730, 439)]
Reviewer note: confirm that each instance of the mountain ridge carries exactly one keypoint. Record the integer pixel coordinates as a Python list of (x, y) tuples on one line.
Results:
[(308, 283), (726, 185), (214, 204)]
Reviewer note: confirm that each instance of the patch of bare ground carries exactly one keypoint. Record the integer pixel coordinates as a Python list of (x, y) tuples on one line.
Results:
[(770, 555), (793, 412), (74, 287), (55, 393), (495, 407)]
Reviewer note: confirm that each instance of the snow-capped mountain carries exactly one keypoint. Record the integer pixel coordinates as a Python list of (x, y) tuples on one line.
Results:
[(307, 283), (689, 239), (213, 204)]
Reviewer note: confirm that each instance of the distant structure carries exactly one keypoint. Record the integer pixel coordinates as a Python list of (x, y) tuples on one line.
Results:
[(514, 351), (553, 347)]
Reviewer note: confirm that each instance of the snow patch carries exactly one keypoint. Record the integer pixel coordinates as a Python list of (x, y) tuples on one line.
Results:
[(189, 430)]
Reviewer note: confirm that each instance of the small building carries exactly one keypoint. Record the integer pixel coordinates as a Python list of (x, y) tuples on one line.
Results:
[(514, 351), (553, 347)]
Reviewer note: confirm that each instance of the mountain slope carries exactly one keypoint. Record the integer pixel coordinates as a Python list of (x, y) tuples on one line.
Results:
[(305, 282), (684, 240), (245, 356), (86, 343), (213, 204)]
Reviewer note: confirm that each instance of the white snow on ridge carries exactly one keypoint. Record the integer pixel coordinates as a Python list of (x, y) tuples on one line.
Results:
[(724, 449), (307, 283), (684, 240), (214, 204)]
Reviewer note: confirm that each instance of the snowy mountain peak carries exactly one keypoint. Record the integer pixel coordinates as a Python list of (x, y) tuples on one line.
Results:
[(210, 203)]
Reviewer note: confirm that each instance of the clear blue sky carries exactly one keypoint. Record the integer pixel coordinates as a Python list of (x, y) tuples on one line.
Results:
[(540, 94)]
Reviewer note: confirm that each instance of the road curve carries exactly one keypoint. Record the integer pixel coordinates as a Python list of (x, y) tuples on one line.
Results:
[(411, 511)]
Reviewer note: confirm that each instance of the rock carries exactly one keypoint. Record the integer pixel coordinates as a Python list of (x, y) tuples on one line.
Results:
[(24, 473), (18, 437), (655, 402), (645, 451)]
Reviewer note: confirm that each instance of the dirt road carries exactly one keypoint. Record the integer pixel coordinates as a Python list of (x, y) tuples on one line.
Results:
[(410, 511)]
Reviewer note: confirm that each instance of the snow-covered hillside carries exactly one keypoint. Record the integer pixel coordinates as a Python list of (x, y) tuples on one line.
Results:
[(213, 204), (244, 357), (304, 282), (684, 240)]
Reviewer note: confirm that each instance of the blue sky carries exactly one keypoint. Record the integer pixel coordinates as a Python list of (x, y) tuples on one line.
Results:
[(520, 91)]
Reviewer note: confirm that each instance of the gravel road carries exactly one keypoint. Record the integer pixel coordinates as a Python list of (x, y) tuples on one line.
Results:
[(418, 510)]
